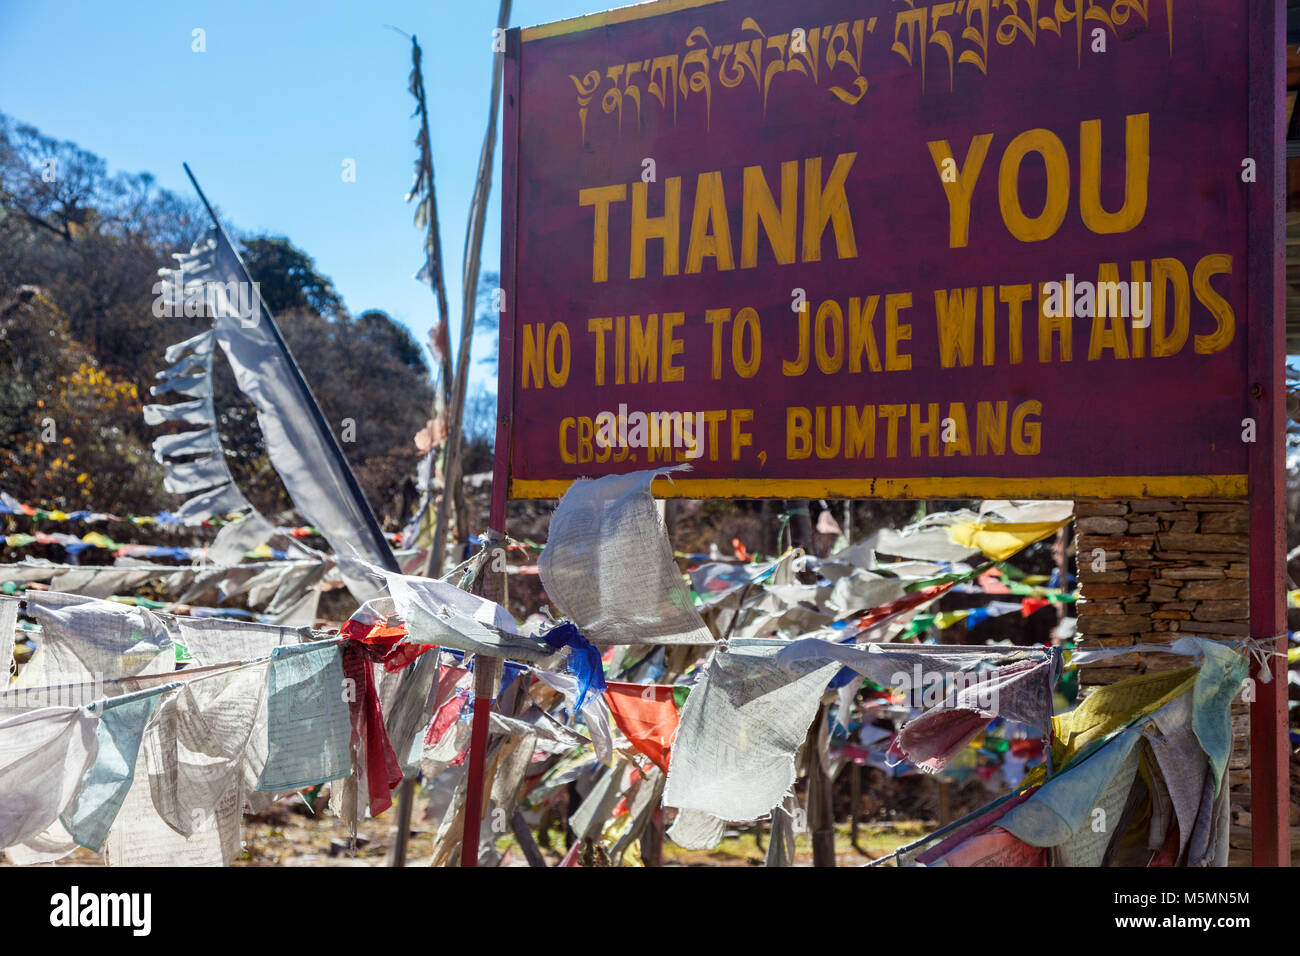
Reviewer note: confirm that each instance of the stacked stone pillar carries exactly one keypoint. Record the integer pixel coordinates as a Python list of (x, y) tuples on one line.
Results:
[(1153, 571)]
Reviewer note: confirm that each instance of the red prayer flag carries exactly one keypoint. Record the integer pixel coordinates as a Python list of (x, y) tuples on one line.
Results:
[(383, 772), (448, 704), (905, 603), (1029, 605), (991, 582), (647, 716)]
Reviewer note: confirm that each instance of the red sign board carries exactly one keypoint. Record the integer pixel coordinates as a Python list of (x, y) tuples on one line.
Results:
[(883, 248)]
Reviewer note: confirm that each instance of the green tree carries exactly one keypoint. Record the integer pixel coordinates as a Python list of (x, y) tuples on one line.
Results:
[(288, 279), (367, 375), (487, 320), (79, 253), (395, 338), (66, 427)]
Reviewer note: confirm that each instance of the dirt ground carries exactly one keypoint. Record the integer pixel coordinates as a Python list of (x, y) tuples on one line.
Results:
[(895, 812), (289, 835), (286, 838)]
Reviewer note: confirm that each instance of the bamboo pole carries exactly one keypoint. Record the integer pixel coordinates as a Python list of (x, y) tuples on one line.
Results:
[(469, 296), (442, 390), (433, 244)]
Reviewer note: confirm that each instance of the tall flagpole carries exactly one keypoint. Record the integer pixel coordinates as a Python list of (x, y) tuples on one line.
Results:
[(439, 338), (381, 548), (440, 346), (469, 293)]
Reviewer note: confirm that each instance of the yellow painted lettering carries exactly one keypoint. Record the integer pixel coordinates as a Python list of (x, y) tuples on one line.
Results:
[(646, 227), (896, 332), (823, 204), (1221, 337), (758, 205), (710, 230), (1052, 150), (601, 197), (798, 433), (959, 191), (1137, 169)]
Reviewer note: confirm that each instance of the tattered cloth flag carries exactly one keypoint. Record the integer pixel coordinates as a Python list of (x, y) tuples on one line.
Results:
[(647, 715), (609, 566), (921, 543), (193, 746), (88, 639), (44, 755), (733, 756), (8, 622), (438, 612), (383, 770), (1001, 540), (426, 210), (205, 477), (584, 660), (236, 539), (302, 451), (309, 725), (94, 807), (1020, 692)]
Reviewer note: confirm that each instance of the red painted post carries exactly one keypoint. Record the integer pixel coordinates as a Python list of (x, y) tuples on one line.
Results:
[(483, 681), (510, 112), (1269, 757)]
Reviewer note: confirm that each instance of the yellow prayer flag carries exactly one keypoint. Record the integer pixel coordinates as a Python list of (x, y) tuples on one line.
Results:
[(1000, 540), (946, 619)]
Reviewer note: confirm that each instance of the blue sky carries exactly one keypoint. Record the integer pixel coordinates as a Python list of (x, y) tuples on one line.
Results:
[(285, 92)]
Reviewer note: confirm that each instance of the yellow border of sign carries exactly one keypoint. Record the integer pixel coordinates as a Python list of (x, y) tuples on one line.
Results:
[(1134, 486), (606, 18)]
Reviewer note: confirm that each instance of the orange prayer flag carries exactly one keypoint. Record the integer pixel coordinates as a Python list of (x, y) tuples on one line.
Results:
[(647, 716)]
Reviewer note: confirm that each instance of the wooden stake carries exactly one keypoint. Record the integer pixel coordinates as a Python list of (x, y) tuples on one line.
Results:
[(519, 827), (821, 814), (855, 795)]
